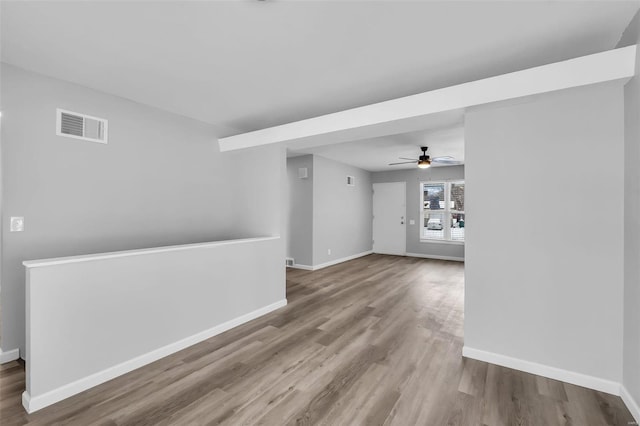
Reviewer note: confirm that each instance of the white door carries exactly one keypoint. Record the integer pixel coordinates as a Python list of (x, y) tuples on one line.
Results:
[(389, 218)]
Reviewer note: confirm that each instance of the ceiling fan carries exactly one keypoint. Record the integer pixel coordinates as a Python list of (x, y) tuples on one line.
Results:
[(424, 161)]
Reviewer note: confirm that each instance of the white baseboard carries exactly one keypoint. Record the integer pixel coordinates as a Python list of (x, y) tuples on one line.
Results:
[(434, 256), (342, 259), (365, 253), (298, 266), (572, 377), (631, 403), (391, 254), (9, 356), (33, 403), (331, 263)]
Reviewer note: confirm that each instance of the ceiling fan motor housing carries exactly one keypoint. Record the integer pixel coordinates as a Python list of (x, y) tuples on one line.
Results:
[(424, 156)]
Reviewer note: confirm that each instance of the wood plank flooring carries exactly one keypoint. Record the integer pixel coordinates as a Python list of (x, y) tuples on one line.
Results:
[(373, 341)]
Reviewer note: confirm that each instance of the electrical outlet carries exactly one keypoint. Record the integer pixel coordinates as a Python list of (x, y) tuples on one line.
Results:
[(17, 224), (329, 251)]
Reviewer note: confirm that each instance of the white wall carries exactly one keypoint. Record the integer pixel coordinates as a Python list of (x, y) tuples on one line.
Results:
[(544, 249), (413, 178), (300, 213), (342, 214), (160, 180), (92, 318), (631, 352)]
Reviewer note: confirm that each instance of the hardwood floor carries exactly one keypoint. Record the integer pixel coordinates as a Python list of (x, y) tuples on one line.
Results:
[(376, 340)]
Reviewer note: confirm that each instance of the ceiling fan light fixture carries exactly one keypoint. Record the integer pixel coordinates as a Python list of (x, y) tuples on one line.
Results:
[(424, 164)]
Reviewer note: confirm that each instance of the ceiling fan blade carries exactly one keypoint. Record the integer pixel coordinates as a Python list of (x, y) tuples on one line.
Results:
[(404, 162), (446, 160), (405, 158)]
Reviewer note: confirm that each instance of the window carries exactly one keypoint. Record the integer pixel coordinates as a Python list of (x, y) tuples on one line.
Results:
[(443, 211)]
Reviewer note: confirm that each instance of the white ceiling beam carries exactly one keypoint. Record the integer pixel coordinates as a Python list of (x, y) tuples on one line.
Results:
[(384, 117)]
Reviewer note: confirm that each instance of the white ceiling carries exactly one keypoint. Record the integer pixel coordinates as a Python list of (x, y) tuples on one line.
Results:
[(376, 154), (245, 65)]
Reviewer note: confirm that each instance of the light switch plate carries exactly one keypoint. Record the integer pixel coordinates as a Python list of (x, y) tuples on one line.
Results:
[(17, 224), (412, 222)]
